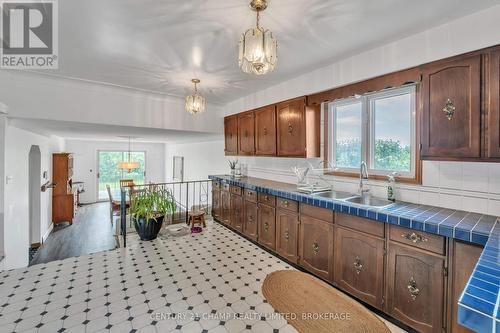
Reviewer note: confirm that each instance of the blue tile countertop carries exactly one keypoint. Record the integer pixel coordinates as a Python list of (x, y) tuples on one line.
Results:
[(478, 307)]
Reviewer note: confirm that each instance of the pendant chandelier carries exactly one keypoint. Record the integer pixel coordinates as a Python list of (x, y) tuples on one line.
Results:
[(258, 47), (195, 103), (128, 165)]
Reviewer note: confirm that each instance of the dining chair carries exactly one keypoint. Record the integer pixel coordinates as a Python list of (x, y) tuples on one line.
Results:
[(114, 205)]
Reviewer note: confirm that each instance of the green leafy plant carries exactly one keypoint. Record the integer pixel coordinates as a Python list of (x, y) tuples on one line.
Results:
[(152, 204)]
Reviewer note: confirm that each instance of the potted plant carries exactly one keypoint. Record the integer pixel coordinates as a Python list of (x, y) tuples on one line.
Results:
[(148, 210)]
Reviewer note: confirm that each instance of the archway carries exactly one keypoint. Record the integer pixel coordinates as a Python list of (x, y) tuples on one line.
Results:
[(35, 166)]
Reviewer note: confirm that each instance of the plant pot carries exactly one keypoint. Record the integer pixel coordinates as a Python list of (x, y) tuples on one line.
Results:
[(148, 229)]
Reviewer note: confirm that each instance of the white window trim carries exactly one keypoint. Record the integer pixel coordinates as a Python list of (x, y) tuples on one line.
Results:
[(368, 148)]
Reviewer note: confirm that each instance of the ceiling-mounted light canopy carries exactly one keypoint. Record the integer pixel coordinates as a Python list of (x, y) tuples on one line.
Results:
[(195, 103), (128, 165), (258, 47)]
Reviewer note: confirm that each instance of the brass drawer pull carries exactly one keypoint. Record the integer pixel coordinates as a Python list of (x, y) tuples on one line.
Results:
[(449, 109), (315, 247), (290, 128), (266, 226), (266, 198), (414, 238), (265, 130), (286, 203), (413, 289), (287, 235), (357, 264)]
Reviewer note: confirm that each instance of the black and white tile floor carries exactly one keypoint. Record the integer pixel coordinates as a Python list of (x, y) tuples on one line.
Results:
[(207, 282)]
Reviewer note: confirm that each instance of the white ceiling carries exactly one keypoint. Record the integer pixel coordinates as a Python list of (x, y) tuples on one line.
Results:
[(159, 45), (97, 132)]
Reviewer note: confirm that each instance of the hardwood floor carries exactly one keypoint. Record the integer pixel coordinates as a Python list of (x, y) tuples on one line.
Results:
[(91, 232)]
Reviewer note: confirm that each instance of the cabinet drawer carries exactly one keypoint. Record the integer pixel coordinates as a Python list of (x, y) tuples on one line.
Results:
[(225, 187), (419, 239), (216, 184), (360, 224), (287, 204), (317, 212), (267, 199), (235, 190), (250, 195)]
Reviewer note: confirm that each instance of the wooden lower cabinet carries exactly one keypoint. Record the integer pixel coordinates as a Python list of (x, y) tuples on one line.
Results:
[(464, 257), (250, 217), (225, 207), (267, 226), (359, 265), (316, 246), (236, 214), (287, 232), (216, 204), (415, 287)]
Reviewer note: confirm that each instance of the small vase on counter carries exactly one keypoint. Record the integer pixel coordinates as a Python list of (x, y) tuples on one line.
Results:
[(391, 186)]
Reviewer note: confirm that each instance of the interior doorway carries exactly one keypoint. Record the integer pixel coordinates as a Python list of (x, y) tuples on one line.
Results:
[(35, 166)]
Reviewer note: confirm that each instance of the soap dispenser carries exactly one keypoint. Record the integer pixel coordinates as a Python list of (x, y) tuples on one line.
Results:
[(391, 186)]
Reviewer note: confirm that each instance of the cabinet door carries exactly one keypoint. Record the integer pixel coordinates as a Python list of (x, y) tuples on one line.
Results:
[(287, 230), (250, 217), (237, 212), (493, 106), (216, 204), (415, 288), (225, 207), (451, 119), (267, 226), (265, 131), (246, 134), (291, 128), (231, 135), (316, 246), (359, 265), (464, 258)]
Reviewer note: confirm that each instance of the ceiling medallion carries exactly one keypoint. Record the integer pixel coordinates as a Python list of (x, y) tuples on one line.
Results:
[(195, 103), (258, 47)]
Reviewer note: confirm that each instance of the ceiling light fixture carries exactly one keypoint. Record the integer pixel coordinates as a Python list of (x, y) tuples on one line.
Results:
[(258, 48), (128, 165), (195, 103)]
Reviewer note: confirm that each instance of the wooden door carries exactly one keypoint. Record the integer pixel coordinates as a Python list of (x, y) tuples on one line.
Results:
[(265, 131), (225, 207), (359, 265), (267, 226), (216, 204), (451, 118), (236, 206), (246, 134), (291, 125), (287, 232), (415, 288), (316, 246), (464, 258), (231, 135), (250, 217), (493, 104)]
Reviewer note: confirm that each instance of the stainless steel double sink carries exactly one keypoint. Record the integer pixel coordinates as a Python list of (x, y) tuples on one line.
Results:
[(368, 200)]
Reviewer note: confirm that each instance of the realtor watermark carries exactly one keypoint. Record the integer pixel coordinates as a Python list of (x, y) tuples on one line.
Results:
[(29, 34)]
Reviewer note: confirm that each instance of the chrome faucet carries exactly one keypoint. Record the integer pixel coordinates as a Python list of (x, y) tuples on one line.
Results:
[(363, 174)]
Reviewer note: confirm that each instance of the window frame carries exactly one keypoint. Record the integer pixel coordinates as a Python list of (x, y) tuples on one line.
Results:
[(368, 132)]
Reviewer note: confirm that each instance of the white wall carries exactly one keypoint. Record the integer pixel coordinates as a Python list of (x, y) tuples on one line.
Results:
[(18, 143), (200, 159), (470, 186), (85, 162), (3, 128)]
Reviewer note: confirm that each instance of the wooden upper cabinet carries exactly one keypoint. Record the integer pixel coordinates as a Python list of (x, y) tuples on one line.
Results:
[(265, 131), (297, 129), (493, 104), (246, 133), (451, 102), (231, 135)]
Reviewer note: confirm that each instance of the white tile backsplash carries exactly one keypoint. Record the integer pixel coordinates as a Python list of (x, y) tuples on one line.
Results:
[(451, 175), (475, 176), (494, 178), (430, 173)]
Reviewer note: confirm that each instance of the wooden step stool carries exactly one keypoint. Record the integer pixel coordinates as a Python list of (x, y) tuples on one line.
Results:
[(196, 218)]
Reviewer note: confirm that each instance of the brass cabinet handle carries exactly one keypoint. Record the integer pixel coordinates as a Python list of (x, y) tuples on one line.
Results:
[(266, 226), (414, 238), (315, 247), (265, 130), (287, 235), (413, 289), (286, 203), (449, 109), (266, 197), (357, 264), (290, 128)]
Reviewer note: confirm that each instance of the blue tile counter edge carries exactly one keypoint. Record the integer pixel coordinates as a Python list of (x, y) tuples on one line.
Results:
[(478, 307)]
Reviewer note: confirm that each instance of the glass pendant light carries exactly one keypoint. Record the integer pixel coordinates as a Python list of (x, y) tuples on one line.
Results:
[(128, 165), (258, 48), (195, 103)]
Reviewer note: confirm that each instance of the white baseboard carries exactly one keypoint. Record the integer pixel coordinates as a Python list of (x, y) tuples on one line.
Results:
[(47, 233)]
